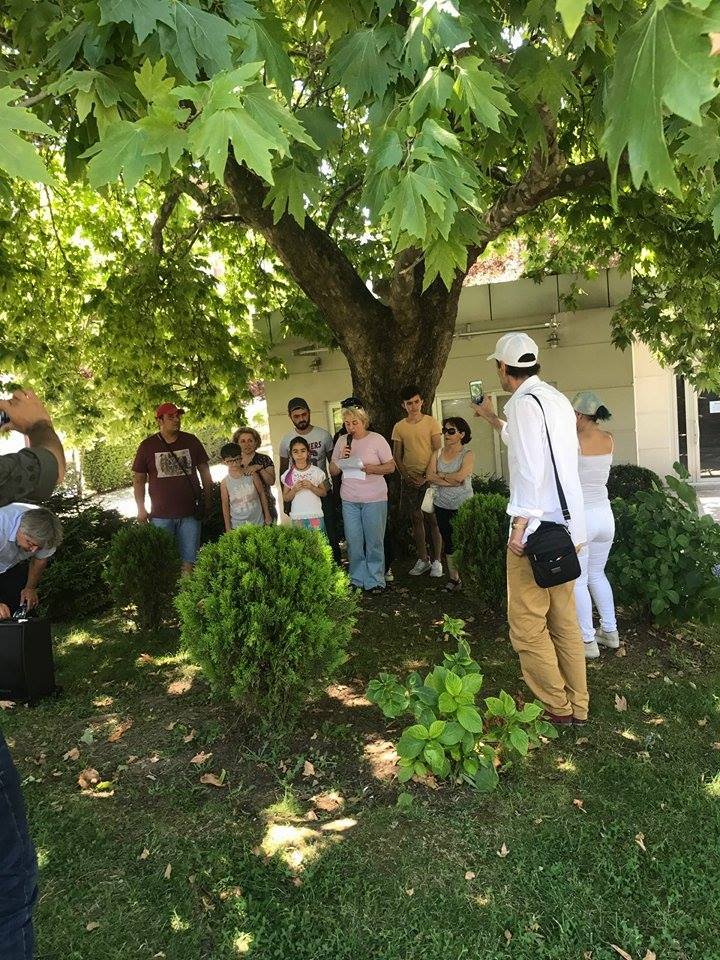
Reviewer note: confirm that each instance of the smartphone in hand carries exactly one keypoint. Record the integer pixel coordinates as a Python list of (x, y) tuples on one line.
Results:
[(476, 391)]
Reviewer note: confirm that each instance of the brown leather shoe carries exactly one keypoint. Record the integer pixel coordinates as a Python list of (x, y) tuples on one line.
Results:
[(557, 721)]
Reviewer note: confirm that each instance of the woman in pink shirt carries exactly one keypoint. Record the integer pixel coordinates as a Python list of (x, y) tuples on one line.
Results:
[(364, 497)]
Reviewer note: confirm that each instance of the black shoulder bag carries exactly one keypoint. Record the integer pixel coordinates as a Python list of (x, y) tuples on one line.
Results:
[(550, 549), (199, 512)]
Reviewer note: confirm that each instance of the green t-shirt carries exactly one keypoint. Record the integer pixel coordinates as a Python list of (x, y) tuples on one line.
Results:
[(27, 475)]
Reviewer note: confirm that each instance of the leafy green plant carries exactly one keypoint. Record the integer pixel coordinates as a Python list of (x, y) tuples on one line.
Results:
[(106, 465), (267, 615), (480, 536), (490, 483), (661, 564), (627, 479), (452, 736), (73, 585), (142, 571)]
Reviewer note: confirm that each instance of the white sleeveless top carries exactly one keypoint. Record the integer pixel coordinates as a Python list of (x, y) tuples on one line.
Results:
[(594, 472)]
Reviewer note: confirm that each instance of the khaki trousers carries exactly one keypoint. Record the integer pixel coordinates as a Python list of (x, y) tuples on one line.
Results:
[(545, 634)]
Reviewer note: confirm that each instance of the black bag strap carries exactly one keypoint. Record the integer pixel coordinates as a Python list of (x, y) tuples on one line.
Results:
[(179, 462), (561, 494)]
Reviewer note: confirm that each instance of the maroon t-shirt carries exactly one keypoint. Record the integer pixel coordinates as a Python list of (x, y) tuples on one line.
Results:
[(171, 495)]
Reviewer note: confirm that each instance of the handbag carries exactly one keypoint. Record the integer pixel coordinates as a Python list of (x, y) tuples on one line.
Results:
[(428, 501), (199, 512), (550, 549)]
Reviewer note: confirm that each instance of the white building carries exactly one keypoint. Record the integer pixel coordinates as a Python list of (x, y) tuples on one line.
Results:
[(657, 418)]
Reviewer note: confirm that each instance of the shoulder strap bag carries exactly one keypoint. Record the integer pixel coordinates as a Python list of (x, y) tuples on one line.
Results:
[(550, 549), (199, 513)]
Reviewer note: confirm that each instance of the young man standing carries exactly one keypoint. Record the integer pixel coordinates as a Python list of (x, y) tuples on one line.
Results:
[(321, 448), (414, 440), (544, 628), (171, 460)]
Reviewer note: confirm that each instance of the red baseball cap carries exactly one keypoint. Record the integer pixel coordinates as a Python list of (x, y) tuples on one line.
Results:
[(166, 409)]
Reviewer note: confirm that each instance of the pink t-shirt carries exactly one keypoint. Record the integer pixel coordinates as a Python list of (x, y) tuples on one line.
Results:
[(373, 448)]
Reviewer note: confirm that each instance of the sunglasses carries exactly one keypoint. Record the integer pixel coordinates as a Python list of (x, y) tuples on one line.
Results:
[(450, 431)]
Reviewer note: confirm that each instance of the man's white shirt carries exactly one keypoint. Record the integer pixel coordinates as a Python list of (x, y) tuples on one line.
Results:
[(533, 491)]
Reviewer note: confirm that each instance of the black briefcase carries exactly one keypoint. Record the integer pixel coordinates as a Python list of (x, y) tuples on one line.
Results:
[(27, 670)]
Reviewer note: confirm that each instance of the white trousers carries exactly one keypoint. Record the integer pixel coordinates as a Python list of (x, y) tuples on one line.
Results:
[(593, 584)]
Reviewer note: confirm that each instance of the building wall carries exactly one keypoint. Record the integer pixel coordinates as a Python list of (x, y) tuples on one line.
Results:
[(584, 359), (655, 412)]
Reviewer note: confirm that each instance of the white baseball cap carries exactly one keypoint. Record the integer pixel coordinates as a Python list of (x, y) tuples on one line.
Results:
[(512, 346)]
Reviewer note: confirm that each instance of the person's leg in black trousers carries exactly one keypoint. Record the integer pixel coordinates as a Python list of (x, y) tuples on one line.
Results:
[(11, 584), (331, 527)]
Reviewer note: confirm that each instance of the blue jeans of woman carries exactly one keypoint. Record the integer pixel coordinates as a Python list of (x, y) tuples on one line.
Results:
[(18, 867), (364, 532)]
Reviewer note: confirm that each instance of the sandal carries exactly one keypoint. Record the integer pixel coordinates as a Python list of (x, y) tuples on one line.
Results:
[(452, 586)]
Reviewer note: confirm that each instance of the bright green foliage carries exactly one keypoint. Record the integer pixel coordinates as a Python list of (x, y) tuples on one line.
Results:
[(663, 559), (142, 572), (73, 586), (17, 156), (106, 465), (627, 479), (268, 615), (480, 535), (451, 736), (490, 483)]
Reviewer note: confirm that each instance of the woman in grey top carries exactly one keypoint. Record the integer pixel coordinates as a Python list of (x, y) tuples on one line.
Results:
[(450, 472)]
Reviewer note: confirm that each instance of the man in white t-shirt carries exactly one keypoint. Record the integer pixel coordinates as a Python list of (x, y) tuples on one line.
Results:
[(321, 447)]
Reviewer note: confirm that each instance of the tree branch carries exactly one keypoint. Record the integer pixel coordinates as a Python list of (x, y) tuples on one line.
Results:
[(347, 192), (173, 192), (315, 262)]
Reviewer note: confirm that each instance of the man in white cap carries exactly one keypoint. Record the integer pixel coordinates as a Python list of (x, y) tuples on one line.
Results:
[(543, 622)]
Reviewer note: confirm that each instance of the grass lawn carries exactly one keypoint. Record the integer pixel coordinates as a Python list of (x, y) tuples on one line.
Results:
[(607, 836)]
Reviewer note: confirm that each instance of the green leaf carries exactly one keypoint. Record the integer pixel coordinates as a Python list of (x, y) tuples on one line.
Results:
[(364, 63), (444, 258), (472, 683), (530, 712), (199, 39), (143, 14), (470, 719), (432, 94), (120, 152), (452, 734), (322, 126), (291, 187), (481, 92), (435, 757), (470, 766), (572, 12), (409, 747), (436, 729), (520, 740), (509, 708), (495, 706), (446, 703), (406, 205), (405, 773), (18, 157), (385, 150), (418, 732), (151, 80), (662, 62), (265, 40), (486, 779), (453, 684)]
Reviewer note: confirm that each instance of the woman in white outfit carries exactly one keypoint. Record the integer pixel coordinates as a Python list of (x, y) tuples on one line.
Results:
[(596, 451)]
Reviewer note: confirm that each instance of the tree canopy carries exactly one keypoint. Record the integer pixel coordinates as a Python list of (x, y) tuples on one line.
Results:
[(370, 150)]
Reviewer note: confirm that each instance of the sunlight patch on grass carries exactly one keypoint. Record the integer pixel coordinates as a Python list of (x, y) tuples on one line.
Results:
[(297, 846), (347, 696), (177, 924), (712, 788), (284, 809), (81, 638), (242, 943), (382, 758), (567, 766), (43, 857)]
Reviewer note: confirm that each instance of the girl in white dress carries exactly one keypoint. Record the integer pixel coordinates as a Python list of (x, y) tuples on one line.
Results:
[(243, 497)]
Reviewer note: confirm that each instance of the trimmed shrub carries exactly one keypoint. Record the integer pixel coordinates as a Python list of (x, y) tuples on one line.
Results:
[(661, 564), (106, 466), (627, 479), (490, 483), (267, 615), (142, 571), (73, 587), (480, 535)]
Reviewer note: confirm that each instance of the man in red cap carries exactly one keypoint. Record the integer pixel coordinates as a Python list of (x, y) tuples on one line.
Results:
[(171, 460)]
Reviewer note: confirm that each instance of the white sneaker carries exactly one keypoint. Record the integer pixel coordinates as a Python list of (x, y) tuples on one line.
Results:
[(389, 578), (591, 650), (422, 566), (607, 638), (436, 569)]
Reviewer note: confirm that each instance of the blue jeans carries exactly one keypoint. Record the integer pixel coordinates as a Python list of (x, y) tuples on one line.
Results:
[(364, 533), (185, 531), (18, 867)]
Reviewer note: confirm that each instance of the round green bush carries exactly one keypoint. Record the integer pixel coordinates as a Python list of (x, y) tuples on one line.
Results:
[(627, 479), (662, 562), (490, 483), (107, 465), (267, 615), (142, 571), (480, 535)]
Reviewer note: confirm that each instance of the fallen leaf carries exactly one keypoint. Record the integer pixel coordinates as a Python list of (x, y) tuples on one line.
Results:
[(190, 736), (7, 704), (581, 741), (640, 841), (146, 658), (201, 757), (311, 815), (428, 779), (703, 722), (171, 725), (329, 801), (168, 871), (587, 955), (621, 651), (93, 925), (503, 851), (88, 778), (580, 804), (469, 875), (410, 891), (87, 737), (72, 754), (623, 953), (650, 955), (620, 703), (231, 893), (716, 745), (103, 702), (655, 721), (296, 882), (508, 935), (119, 731), (145, 854), (714, 44), (308, 769), (212, 780)]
